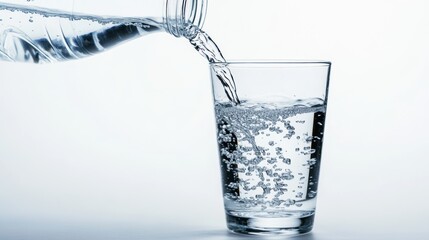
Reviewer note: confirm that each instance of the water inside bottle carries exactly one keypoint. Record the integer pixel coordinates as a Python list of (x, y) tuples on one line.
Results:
[(44, 36)]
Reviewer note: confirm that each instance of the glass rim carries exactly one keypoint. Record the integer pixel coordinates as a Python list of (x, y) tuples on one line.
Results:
[(274, 62)]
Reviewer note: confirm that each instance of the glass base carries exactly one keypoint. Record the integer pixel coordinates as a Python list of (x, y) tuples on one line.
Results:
[(270, 226)]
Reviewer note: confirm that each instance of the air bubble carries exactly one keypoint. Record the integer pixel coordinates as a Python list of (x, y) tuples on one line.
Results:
[(287, 161), (312, 194), (276, 202), (272, 161), (287, 175), (233, 185), (312, 162), (289, 202)]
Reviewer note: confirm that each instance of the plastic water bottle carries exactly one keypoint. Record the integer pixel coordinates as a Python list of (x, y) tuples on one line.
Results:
[(43, 31)]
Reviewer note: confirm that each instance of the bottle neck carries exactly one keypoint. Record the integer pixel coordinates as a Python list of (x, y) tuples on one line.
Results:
[(182, 17)]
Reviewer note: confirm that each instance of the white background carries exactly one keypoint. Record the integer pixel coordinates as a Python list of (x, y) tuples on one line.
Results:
[(126, 139)]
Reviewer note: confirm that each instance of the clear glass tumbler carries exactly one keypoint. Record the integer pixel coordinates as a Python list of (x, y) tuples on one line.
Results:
[(270, 144)]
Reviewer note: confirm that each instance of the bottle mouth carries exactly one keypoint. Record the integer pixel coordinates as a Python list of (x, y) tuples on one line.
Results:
[(182, 16)]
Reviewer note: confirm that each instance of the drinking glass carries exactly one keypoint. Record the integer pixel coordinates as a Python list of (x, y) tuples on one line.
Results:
[(270, 143)]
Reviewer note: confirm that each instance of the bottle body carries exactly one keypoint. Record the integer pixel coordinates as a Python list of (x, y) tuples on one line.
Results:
[(32, 32)]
